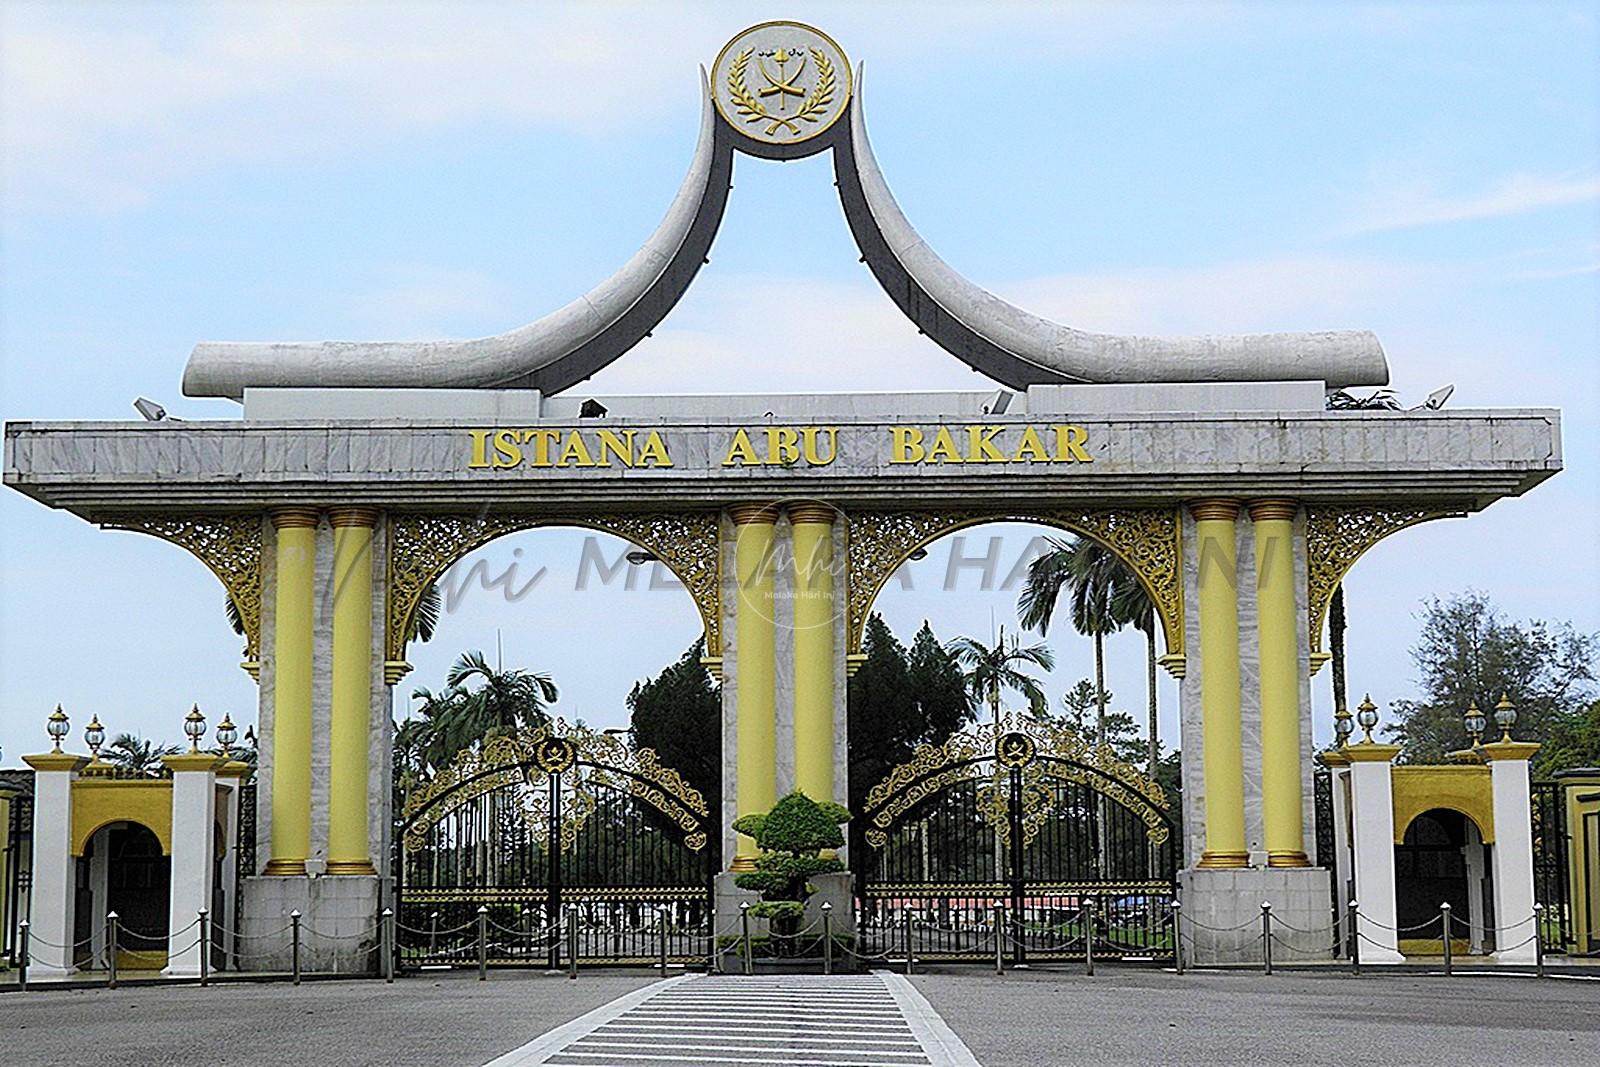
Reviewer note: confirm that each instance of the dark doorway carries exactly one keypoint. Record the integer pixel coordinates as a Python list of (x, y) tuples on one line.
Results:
[(1432, 867), (138, 889)]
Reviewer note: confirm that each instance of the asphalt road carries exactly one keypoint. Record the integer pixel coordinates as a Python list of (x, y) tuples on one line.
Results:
[(1025, 1019), (1039, 1019)]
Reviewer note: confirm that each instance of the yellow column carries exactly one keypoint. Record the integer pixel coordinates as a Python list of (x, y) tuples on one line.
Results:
[(1223, 758), (813, 649), (755, 664), (351, 695), (291, 689), (1278, 658)]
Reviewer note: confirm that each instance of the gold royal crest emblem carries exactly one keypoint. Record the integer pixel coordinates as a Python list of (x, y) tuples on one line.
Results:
[(781, 82)]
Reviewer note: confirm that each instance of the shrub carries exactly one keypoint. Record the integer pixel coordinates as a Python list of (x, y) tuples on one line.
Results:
[(791, 837)]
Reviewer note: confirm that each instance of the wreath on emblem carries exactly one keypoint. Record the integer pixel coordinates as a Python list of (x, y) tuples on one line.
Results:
[(555, 754), (753, 110), (1015, 749)]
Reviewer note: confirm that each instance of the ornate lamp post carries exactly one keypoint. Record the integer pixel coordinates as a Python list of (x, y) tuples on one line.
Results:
[(1474, 721), (227, 734), (1367, 716), (1343, 726), (194, 725), (57, 726), (1505, 716), (94, 735)]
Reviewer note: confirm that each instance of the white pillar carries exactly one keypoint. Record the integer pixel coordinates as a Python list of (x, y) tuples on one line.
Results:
[(1342, 861), (1372, 834), (50, 910), (1513, 849), (194, 817)]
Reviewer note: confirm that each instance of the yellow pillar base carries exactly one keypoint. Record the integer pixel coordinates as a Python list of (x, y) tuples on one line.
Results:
[(1287, 859), (1212, 861)]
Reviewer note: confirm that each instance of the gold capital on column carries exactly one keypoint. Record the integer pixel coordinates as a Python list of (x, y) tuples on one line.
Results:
[(1278, 673), (294, 600), (755, 670), (814, 618), (1222, 757), (351, 690)]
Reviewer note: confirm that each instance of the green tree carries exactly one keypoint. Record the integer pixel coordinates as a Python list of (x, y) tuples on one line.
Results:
[(1469, 653), (1080, 714), (678, 713), (503, 701), (792, 837), (1575, 742), (137, 754), (937, 686), (995, 669)]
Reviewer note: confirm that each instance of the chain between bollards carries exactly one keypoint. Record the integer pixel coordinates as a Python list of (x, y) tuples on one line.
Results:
[(999, 937), (1266, 937), (1355, 938), (1444, 930), (387, 919), (203, 920), (744, 935), (294, 944), (827, 937), (483, 942), (1177, 934), (111, 950)]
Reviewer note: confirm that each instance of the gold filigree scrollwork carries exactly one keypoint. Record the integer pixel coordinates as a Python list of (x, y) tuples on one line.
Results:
[(1148, 540), (1336, 536), (1059, 755), (422, 547), (584, 759), (230, 545)]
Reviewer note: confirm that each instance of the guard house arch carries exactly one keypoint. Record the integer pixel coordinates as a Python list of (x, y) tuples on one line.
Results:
[(1443, 857), (125, 867)]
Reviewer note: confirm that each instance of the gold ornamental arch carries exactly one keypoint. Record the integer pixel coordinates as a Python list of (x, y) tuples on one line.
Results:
[(1149, 541), (423, 546)]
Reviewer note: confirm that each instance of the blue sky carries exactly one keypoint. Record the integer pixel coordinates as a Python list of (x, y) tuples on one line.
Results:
[(175, 173)]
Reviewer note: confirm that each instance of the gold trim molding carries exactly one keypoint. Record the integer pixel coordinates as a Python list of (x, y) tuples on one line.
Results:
[(422, 547), (230, 545), (1148, 540), (1336, 536)]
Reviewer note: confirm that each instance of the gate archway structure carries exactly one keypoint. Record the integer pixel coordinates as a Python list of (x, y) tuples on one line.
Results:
[(550, 822), (1028, 821)]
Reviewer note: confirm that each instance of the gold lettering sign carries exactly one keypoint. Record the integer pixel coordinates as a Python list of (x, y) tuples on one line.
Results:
[(989, 444), (504, 449)]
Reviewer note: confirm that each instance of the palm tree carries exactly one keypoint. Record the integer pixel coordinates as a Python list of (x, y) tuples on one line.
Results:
[(1095, 578), (504, 702), (1133, 605), (138, 755), (1336, 627), (989, 669)]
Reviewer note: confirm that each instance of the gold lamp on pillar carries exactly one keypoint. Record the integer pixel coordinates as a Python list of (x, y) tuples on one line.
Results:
[(194, 725), (1474, 721), (57, 727), (227, 734), (94, 735), (1367, 716), (1343, 726), (1505, 716)]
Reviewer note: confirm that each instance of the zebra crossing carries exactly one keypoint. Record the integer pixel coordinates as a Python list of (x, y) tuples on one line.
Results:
[(873, 1020)]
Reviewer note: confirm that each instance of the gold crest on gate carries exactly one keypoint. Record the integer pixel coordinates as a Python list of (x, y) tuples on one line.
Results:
[(781, 83)]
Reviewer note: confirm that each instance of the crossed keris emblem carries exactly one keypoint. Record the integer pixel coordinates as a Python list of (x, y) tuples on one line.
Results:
[(810, 106)]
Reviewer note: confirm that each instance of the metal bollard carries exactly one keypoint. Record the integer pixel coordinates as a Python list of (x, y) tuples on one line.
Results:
[(572, 940), (1538, 940), (827, 937), (1355, 938), (999, 911), (387, 922), (483, 942), (1444, 932), (744, 923), (433, 934), (294, 945), (111, 950), (1088, 936), (661, 917), (1266, 937), (1177, 934), (22, 955), (203, 920), (909, 962)]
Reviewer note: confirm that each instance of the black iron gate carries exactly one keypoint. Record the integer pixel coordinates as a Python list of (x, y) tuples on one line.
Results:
[(1028, 840), (1551, 884), (560, 824)]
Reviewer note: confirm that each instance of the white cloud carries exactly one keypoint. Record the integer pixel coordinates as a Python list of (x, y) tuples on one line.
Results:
[(102, 106), (1411, 204)]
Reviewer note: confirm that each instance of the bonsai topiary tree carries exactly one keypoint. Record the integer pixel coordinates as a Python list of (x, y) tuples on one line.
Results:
[(791, 837)]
